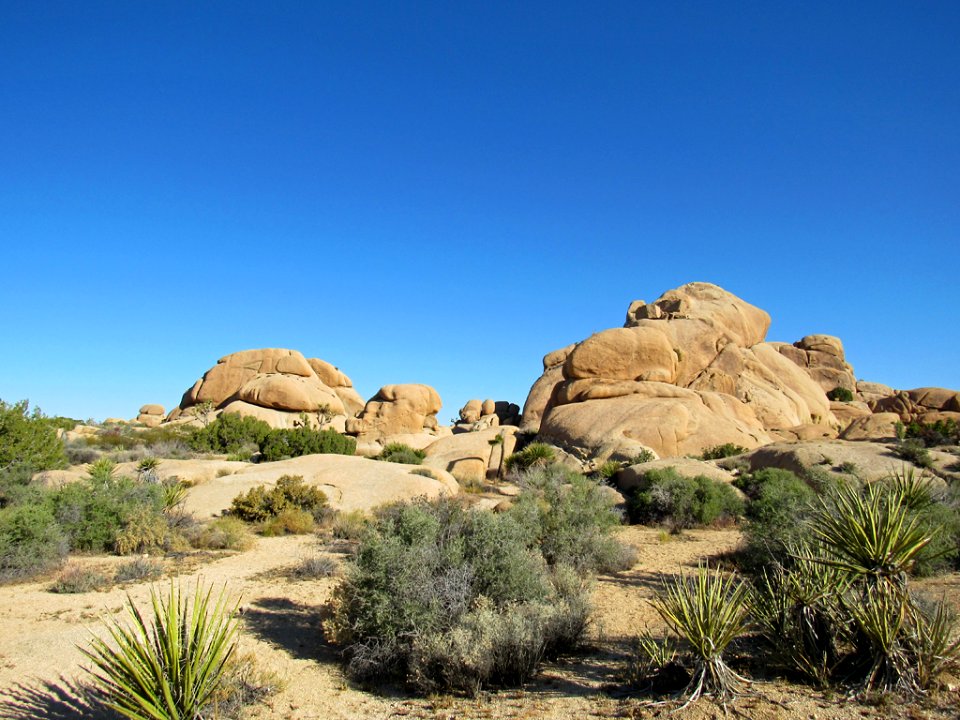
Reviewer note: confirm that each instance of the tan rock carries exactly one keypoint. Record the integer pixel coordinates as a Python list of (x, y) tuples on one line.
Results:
[(290, 392), (152, 410), (281, 419), (350, 483), (933, 398), (871, 391), (472, 455), (489, 407), (151, 421), (397, 409), (541, 395), (878, 426), (472, 411), (230, 373), (847, 412), (636, 353)]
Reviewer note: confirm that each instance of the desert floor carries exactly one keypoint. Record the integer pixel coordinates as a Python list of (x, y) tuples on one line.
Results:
[(41, 665)]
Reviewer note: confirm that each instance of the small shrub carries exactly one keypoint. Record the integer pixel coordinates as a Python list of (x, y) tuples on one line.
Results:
[(536, 454), (286, 443), (350, 525), (682, 502), (913, 450), (143, 529), (400, 453), (316, 566), (81, 454), (289, 521), (608, 470), (840, 394), (644, 456), (424, 472), (226, 533), (139, 570), (169, 668), (780, 505), (718, 452), (260, 504), (940, 432), (76, 579), (31, 541)]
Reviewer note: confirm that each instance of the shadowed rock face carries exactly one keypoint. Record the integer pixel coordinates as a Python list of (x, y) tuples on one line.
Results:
[(274, 385)]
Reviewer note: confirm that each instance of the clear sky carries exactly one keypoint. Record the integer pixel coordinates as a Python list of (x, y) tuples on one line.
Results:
[(443, 192)]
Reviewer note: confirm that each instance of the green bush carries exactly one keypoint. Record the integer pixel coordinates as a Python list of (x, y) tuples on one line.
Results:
[(913, 450), (294, 442), (28, 440), (290, 521), (571, 519), (400, 453), (31, 541), (226, 533), (536, 454), (229, 433), (940, 432), (840, 394), (260, 503), (780, 503), (666, 497), (718, 452), (452, 599)]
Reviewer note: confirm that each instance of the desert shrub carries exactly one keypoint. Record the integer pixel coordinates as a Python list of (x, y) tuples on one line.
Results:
[(400, 453), (571, 518), (718, 452), (260, 503), (913, 450), (138, 570), (289, 521), (229, 433), (294, 442), (666, 497), (80, 454), (316, 566), (143, 529), (452, 599), (780, 503), (533, 455), (95, 512), (840, 394), (76, 579), (424, 472), (940, 432), (349, 525), (171, 667), (31, 541), (644, 456), (608, 470), (226, 533), (60, 422), (28, 440)]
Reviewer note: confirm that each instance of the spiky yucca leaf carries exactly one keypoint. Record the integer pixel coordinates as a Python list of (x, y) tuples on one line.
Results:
[(880, 614), (170, 668), (870, 534), (707, 610), (933, 642)]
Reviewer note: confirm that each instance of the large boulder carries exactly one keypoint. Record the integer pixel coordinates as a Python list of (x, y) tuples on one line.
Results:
[(275, 385), (472, 457), (395, 410), (823, 358), (687, 372), (151, 415), (480, 415)]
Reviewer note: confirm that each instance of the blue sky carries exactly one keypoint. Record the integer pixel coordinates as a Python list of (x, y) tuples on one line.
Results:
[(444, 192)]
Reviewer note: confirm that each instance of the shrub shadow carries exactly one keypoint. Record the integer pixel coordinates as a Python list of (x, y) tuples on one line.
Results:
[(63, 700), (292, 626)]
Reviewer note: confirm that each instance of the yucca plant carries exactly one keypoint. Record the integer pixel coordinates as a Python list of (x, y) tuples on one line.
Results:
[(880, 615), (869, 534), (707, 610), (170, 668), (933, 642)]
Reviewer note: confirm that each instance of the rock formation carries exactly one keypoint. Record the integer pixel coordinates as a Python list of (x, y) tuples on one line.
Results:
[(479, 415), (150, 415), (397, 410), (274, 385)]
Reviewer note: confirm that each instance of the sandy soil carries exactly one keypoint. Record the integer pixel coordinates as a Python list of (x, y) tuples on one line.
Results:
[(40, 663)]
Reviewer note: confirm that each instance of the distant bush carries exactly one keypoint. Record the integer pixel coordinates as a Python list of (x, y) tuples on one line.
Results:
[(139, 570), (718, 452), (780, 506), (400, 453), (316, 566), (260, 503), (448, 598), (644, 456), (666, 497), (226, 533), (840, 394), (349, 525), (76, 579), (31, 541), (28, 439), (289, 521), (533, 455), (298, 441), (941, 432), (913, 450), (229, 433)]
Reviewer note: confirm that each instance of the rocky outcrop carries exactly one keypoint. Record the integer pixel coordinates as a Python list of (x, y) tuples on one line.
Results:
[(686, 372), (824, 360), (275, 385), (396, 410), (480, 415), (474, 456), (151, 415)]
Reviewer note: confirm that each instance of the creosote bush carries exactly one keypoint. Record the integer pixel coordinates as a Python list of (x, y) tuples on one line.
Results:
[(666, 497), (304, 440), (536, 454), (400, 453), (718, 452), (261, 504), (28, 440), (840, 394), (452, 599)]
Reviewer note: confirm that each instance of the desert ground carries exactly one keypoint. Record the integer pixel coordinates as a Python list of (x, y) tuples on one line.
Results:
[(41, 666)]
